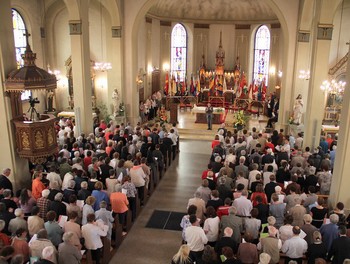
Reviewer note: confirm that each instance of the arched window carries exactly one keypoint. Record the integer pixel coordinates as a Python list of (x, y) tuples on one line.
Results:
[(19, 29), (262, 54), (179, 52)]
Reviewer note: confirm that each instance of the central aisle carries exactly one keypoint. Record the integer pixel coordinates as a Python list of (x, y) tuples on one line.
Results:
[(147, 245)]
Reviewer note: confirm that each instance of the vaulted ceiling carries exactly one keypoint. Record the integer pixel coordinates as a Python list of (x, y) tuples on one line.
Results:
[(239, 11)]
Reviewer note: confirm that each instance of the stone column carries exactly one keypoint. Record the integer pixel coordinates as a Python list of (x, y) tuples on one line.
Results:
[(20, 175), (80, 50), (114, 75), (322, 36), (155, 43), (341, 180)]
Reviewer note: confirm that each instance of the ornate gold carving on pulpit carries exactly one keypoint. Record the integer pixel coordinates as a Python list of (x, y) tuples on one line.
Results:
[(39, 140), (25, 140), (50, 134)]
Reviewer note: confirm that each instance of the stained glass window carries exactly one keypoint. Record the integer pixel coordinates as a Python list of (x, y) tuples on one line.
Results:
[(19, 29), (262, 54), (178, 52)]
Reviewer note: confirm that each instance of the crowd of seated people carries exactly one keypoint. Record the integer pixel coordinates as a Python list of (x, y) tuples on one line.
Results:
[(77, 195), (264, 198)]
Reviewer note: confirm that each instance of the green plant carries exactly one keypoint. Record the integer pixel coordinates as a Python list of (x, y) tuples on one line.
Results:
[(240, 119), (102, 111)]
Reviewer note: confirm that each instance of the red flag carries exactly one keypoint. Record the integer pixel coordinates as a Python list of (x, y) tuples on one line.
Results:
[(166, 86), (192, 86)]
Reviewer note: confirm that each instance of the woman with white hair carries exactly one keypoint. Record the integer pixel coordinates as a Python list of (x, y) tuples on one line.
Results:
[(17, 222), (182, 256), (120, 204), (67, 252)]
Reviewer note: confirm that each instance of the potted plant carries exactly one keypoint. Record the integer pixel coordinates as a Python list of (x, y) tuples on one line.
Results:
[(240, 120)]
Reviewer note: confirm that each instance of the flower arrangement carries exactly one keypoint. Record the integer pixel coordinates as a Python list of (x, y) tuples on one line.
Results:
[(218, 110), (121, 108), (240, 119), (291, 120), (163, 117)]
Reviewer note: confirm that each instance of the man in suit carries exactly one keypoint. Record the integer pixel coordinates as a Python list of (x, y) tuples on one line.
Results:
[(5, 183), (340, 248), (234, 222)]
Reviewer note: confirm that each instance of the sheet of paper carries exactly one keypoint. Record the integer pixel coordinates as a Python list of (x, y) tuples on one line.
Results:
[(62, 220)]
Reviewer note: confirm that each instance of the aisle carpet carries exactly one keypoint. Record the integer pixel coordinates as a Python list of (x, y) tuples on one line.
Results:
[(165, 220)]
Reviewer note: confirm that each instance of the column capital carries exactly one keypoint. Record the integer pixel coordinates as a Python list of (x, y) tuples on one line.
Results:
[(303, 36), (75, 27), (324, 31), (116, 31)]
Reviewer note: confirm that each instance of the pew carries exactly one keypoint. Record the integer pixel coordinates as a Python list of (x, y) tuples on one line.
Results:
[(128, 223), (138, 205), (88, 257), (106, 250), (118, 232)]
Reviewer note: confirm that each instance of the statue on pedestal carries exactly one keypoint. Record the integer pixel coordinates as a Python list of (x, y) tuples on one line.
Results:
[(115, 97), (50, 98), (297, 110)]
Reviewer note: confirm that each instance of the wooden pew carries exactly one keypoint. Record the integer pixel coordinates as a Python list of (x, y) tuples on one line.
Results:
[(128, 224), (88, 257), (151, 184), (138, 205), (145, 195), (118, 232), (106, 252)]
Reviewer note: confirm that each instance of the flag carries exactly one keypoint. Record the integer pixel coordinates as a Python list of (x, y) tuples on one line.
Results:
[(198, 86), (219, 87), (192, 88), (212, 83), (166, 86), (173, 86), (184, 86), (250, 92), (224, 86)]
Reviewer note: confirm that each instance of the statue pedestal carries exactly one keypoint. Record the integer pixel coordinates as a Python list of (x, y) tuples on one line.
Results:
[(295, 129), (119, 119)]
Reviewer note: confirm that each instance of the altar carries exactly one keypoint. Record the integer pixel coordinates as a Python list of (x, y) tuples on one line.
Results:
[(218, 114)]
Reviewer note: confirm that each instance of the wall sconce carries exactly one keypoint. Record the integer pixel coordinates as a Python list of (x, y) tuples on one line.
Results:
[(272, 70), (305, 75), (166, 66), (149, 69), (279, 74), (101, 83)]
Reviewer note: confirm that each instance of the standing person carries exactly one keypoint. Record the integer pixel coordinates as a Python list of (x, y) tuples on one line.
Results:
[(92, 232), (295, 247), (340, 248), (209, 113), (182, 256), (196, 239), (5, 183)]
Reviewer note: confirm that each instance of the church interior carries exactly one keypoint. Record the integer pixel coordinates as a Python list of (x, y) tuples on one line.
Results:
[(109, 55)]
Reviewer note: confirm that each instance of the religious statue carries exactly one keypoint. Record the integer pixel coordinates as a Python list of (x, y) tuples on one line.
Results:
[(115, 97), (50, 97), (298, 109)]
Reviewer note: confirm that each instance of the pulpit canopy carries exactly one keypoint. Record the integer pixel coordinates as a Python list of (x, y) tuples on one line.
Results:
[(30, 77)]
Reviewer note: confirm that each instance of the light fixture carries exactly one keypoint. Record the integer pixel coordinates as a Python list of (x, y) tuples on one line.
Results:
[(333, 87), (166, 67), (54, 72), (279, 74), (102, 66), (305, 75), (272, 70)]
